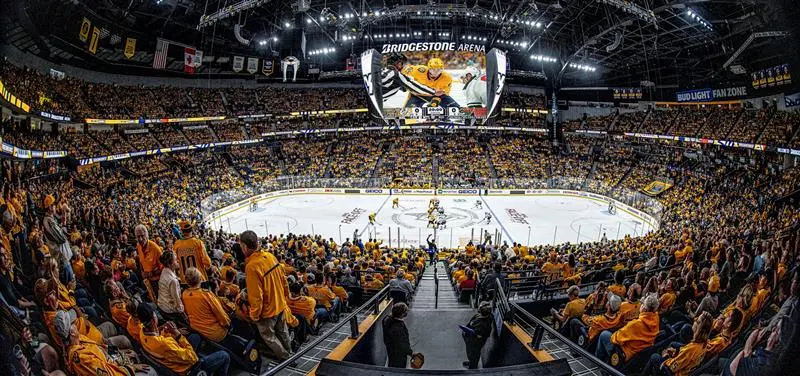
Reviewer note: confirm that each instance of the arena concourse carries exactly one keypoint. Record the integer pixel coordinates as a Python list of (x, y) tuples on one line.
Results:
[(406, 187)]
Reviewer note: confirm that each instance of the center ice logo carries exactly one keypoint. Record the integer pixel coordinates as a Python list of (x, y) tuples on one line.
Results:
[(417, 217)]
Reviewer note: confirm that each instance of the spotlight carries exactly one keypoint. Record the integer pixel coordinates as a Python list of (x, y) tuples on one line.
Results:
[(308, 20), (287, 25), (274, 39)]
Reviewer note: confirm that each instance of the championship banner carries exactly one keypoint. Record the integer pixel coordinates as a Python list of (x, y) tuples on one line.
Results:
[(238, 63), (130, 47), (252, 65), (773, 76), (95, 40), (86, 25), (267, 67)]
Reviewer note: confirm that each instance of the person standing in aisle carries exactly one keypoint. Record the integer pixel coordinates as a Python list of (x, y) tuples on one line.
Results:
[(476, 333), (267, 291), (395, 336)]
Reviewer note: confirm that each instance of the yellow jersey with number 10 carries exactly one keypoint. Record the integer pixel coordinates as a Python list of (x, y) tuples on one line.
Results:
[(420, 74)]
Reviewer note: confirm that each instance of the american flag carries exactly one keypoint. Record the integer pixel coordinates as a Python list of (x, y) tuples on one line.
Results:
[(160, 57)]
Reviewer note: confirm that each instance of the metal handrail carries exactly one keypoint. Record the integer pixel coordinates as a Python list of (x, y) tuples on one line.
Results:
[(342, 322), (572, 345)]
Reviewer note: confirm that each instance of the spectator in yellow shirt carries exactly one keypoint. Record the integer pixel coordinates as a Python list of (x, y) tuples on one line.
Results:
[(681, 362), (574, 308), (208, 317), (267, 291), (635, 336), (593, 325), (175, 351), (324, 297), (86, 357)]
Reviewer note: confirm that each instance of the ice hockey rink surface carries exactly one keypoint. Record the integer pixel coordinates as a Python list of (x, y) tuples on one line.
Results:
[(530, 220)]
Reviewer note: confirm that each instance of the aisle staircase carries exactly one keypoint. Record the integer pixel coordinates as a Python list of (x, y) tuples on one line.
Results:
[(425, 295)]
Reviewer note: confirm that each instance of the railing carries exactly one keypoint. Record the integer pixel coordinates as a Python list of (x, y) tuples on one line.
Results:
[(540, 327), (352, 319), (513, 313)]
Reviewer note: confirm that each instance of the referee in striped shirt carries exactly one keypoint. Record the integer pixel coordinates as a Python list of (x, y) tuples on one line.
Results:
[(392, 80)]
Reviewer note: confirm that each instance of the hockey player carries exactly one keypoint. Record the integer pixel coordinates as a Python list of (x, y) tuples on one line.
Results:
[(393, 80), (474, 87), (253, 204), (441, 223), (487, 217), (612, 209), (372, 218), (431, 221), (396, 203), (431, 75), (478, 204)]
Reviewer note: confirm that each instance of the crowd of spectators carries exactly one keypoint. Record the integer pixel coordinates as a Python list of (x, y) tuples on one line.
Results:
[(411, 160), (659, 120), (748, 126), (308, 157), (517, 158), (518, 99), (201, 135), (355, 157), (691, 122), (721, 228), (451, 167)]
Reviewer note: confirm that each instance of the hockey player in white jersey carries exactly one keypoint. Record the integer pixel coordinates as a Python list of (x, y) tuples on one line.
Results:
[(474, 87)]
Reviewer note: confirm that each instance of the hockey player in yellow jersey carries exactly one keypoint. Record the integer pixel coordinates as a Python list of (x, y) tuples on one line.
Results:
[(431, 75)]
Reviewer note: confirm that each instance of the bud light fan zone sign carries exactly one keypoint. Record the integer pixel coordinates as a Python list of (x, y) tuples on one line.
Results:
[(708, 95)]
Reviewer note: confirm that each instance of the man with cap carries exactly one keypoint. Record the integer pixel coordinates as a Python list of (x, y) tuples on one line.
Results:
[(57, 241), (395, 336), (175, 351), (191, 252), (86, 357), (476, 333)]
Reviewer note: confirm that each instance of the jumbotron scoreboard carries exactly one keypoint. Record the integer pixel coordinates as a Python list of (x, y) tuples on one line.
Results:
[(434, 82)]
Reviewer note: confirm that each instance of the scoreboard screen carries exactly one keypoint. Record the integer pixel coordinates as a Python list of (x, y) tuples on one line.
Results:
[(432, 82)]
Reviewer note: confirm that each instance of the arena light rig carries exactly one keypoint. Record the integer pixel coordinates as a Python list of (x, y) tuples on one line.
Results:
[(699, 19), (228, 11)]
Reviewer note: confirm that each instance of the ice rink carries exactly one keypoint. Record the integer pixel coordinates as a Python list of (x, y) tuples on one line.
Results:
[(525, 219)]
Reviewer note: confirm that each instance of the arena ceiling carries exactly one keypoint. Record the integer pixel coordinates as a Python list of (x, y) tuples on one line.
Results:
[(626, 42)]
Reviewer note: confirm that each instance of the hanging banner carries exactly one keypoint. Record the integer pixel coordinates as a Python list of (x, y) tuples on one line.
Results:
[(188, 60), (252, 65), (267, 67), (198, 58), (130, 47), (238, 63), (94, 41), (86, 25)]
